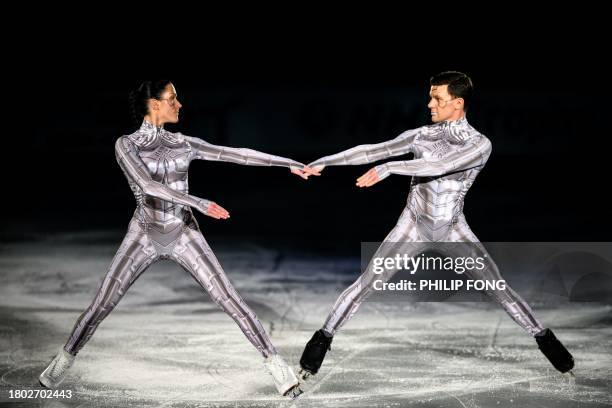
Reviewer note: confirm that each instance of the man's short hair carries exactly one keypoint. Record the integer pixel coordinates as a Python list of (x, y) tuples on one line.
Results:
[(459, 85)]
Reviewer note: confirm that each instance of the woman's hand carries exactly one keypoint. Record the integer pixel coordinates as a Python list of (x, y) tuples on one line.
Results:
[(213, 210)]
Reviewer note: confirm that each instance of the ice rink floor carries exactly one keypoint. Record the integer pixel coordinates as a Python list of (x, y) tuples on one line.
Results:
[(167, 345)]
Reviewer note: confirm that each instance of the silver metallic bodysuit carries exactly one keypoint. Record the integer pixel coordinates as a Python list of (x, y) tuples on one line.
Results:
[(447, 158), (156, 163)]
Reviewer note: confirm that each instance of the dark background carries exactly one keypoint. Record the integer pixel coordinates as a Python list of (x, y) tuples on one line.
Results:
[(544, 107)]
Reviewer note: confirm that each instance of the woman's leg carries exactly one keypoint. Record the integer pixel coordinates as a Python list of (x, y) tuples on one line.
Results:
[(135, 254), (195, 256)]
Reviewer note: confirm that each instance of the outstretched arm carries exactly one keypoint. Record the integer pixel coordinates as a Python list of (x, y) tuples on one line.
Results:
[(136, 170), (247, 157), (370, 153), (471, 155)]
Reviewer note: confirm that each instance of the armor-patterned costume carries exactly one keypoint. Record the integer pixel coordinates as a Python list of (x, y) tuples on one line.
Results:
[(156, 164), (447, 158)]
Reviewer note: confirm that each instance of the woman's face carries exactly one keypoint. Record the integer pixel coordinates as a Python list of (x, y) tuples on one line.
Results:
[(167, 105)]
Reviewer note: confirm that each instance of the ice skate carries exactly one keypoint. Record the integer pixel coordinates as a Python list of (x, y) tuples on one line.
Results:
[(56, 371), (284, 378), (554, 351), (314, 353)]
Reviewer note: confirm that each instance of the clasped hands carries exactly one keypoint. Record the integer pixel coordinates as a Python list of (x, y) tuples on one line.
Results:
[(368, 179)]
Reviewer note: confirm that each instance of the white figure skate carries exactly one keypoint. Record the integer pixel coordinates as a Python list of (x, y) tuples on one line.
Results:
[(56, 371), (284, 378)]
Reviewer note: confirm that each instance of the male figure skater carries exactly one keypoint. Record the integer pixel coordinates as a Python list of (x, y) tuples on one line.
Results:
[(448, 155)]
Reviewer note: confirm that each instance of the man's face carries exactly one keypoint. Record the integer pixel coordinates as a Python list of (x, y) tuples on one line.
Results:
[(444, 106), (168, 105)]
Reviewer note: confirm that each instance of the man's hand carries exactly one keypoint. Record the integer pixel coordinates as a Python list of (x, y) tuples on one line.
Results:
[(305, 172), (369, 178), (316, 168)]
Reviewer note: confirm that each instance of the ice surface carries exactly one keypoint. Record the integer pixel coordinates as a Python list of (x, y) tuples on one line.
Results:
[(167, 345)]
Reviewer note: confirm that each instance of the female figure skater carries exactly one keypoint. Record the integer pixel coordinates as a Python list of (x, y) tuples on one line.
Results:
[(156, 163)]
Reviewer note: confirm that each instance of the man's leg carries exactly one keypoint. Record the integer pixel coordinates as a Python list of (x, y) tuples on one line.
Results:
[(348, 302), (512, 302)]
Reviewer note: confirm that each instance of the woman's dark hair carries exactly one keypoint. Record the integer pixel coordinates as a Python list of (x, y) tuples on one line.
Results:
[(139, 97), (459, 85)]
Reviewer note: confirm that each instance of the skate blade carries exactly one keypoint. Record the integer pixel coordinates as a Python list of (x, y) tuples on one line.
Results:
[(294, 392), (42, 384), (304, 374)]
